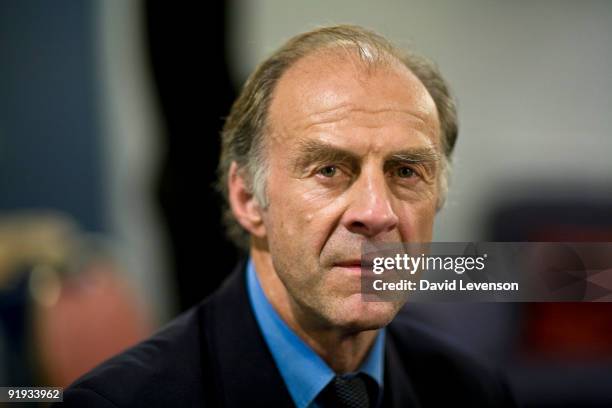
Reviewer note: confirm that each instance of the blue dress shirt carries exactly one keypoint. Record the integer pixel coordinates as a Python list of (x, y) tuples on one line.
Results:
[(304, 372)]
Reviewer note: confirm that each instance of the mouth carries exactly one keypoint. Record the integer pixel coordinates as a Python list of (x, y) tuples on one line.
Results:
[(354, 262), (353, 265)]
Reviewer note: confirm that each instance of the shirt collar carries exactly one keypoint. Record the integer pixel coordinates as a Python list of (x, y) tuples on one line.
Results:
[(303, 371)]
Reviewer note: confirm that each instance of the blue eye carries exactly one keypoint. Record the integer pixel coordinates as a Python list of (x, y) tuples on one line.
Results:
[(328, 171), (405, 172)]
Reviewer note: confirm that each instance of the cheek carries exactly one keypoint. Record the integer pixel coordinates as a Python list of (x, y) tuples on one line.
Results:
[(416, 222), (302, 213)]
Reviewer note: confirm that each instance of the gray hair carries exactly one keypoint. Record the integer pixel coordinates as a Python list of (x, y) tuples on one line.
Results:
[(242, 138)]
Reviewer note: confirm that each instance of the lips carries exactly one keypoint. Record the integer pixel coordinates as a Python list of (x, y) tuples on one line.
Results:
[(349, 264), (353, 263)]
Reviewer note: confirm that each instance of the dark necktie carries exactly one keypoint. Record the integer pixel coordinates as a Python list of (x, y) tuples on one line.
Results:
[(347, 392)]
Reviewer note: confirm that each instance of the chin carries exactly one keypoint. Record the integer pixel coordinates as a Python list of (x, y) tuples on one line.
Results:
[(361, 316)]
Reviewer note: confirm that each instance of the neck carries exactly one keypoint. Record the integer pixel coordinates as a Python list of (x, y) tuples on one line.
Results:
[(342, 349)]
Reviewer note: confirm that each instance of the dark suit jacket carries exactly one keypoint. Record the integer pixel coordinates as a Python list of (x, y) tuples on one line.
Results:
[(215, 355)]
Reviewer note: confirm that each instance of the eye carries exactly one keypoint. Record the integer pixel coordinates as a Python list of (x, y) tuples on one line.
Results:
[(405, 172), (328, 171)]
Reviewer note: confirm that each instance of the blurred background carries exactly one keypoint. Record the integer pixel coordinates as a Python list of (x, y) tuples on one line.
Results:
[(110, 114)]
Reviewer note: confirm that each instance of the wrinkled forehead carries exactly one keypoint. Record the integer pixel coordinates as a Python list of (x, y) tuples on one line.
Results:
[(333, 79)]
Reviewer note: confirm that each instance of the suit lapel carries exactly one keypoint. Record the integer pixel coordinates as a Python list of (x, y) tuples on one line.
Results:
[(244, 371), (398, 390)]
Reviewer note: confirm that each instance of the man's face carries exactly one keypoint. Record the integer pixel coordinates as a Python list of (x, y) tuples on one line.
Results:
[(352, 158)]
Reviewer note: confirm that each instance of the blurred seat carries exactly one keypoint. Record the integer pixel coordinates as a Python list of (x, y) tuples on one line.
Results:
[(65, 303)]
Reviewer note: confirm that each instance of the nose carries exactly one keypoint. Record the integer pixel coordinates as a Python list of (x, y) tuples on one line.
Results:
[(370, 212)]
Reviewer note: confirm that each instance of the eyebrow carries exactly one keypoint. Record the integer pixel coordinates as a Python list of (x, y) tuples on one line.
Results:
[(314, 151), (425, 156)]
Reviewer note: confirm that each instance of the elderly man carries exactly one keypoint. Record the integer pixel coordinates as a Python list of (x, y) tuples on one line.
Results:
[(337, 139)]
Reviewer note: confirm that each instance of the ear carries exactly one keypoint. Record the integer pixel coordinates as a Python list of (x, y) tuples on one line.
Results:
[(245, 207)]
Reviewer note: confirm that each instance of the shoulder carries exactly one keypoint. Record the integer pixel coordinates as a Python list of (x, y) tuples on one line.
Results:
[(156, 372), (439, 368)]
